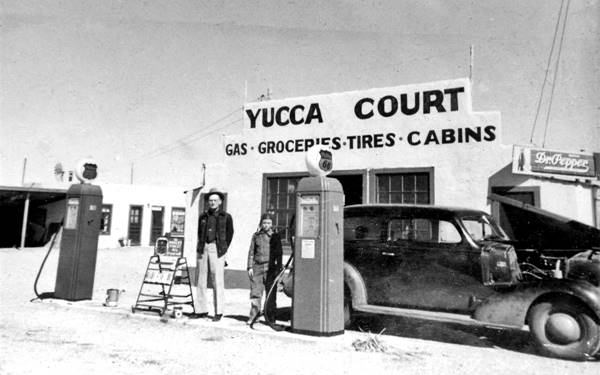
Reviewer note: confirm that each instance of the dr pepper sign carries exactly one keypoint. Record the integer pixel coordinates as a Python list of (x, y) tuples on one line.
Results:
[(538, 161)]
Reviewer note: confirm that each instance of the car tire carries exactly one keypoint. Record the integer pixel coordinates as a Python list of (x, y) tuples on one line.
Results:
[(564, 329)]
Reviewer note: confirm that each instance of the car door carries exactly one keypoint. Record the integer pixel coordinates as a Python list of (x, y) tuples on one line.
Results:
[(435, 268), (365, 249)]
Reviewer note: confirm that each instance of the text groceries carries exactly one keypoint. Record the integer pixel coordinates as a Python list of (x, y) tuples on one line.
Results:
[(368, 141)]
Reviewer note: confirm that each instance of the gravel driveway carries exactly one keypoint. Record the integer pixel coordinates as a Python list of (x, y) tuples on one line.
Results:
[(55, 336)]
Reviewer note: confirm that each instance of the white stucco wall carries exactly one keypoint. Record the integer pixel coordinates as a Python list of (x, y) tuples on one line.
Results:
[(123, 196)]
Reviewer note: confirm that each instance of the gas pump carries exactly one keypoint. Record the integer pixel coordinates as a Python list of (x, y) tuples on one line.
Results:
[(318, 299), (79, 242)]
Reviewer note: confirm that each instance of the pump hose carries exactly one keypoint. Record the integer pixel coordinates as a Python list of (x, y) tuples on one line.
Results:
[(46, 294), (271, 290)]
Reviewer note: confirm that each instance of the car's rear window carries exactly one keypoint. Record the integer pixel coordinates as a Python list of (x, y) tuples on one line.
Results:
[(364, 228)]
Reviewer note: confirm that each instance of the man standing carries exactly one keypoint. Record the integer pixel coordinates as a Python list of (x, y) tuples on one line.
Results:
[(215, 231)]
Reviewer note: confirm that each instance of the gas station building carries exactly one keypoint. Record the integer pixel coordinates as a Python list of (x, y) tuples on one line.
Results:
[(419, 143), (132, 215)]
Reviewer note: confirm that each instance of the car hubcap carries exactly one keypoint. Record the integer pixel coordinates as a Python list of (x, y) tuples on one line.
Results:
[(562, 328)]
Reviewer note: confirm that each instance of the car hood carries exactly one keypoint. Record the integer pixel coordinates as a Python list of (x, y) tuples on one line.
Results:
[(532, 227)]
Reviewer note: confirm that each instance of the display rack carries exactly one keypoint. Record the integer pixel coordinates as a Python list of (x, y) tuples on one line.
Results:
[(166, 284)]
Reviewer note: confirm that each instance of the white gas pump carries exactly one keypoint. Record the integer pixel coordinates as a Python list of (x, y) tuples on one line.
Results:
[(317, 303)]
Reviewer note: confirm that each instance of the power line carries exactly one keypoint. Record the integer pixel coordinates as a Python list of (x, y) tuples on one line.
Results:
[(159, 150), (192, 139), (537, 111), (562, 38)]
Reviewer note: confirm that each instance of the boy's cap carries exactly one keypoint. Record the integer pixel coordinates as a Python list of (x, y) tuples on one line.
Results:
[(266, 216), (215, 191)]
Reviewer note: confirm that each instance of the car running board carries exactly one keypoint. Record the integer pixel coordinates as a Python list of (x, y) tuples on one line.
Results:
[(428, 315)]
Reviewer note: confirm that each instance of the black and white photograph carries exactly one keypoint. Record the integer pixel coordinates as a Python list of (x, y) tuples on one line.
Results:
[(299, 187)]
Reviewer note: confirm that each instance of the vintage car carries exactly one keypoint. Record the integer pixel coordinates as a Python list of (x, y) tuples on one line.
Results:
[(458, 265)]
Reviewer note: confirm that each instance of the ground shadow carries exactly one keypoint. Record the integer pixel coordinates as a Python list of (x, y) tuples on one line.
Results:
[(515, 340)]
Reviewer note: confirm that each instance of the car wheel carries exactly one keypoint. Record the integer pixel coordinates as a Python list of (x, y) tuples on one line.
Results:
[(564, 329)]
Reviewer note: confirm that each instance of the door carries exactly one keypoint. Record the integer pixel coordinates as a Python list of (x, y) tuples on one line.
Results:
[(157, 225), (135, 225), (436, 268), (364, 248), (352, 184)]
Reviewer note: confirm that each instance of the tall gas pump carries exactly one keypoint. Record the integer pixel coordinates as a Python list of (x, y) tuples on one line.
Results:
[(79, 242), (318, 299)]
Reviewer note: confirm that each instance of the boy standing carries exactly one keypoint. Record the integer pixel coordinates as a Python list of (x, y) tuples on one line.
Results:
[(264, 262)]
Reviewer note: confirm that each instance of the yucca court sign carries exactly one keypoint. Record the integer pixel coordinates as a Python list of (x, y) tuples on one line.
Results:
[(426, 115)]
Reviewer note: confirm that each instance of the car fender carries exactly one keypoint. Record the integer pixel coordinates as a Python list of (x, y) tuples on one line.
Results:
[(356, 284), (510, 308)]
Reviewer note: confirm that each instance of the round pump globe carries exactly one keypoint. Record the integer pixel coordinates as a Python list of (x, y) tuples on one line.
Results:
[(86, 170), (319, 161)]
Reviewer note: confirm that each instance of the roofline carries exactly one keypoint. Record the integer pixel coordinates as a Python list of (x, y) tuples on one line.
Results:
[(31, 189)]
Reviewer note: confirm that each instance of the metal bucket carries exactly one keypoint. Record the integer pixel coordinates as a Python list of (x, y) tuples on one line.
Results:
[(177, 312), (112, 297)]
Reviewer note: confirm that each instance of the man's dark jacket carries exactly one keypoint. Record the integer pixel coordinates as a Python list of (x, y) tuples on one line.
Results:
[(223, 236)]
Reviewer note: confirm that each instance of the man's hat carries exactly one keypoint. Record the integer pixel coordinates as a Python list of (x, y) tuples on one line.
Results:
[(214, 191)]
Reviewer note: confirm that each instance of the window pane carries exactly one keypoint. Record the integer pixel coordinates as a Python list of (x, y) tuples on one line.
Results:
[(422, 182), (281, 199), (395, 198), (383, 198), (396, 182), (408, 183), (423, 198), (283, 184), (364, 228), (272, 202), (408, 198), (382, 183), (272, 186)]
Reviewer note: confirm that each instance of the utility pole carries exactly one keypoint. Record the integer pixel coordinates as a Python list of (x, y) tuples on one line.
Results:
[(24, 168), (131, 175), (471, 61)]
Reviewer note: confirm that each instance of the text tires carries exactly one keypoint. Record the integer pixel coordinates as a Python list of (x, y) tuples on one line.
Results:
[(564, 329)]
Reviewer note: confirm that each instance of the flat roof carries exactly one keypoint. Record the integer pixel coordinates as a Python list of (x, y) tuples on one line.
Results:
[(16, 195)]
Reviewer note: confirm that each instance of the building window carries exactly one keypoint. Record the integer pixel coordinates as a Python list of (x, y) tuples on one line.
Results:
[(281, 203), (403, 188), (106, 219), (177, 220)]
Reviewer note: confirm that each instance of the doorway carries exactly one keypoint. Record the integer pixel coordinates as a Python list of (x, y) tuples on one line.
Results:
[(353, 187), (157, 225), (135, 225)]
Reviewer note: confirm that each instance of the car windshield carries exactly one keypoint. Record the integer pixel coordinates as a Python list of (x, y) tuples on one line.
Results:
[(483, 227)]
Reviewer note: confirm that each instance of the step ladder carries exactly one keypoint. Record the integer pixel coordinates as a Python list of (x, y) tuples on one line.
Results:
[(166, 285)]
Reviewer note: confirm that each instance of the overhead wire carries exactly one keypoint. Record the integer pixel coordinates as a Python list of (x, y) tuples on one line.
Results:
[(562, 38), (180, 142), (193, 139), (548, 63)]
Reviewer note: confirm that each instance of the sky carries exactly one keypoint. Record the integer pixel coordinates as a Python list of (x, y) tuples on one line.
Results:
[(150, 86)]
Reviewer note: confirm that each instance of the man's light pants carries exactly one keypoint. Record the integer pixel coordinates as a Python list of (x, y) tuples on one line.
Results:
[(210, 264)]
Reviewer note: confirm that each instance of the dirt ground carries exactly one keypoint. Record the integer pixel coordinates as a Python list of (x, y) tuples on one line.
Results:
[(56, 336)]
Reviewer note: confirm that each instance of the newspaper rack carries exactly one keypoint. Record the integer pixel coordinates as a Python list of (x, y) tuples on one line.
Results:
[(166, 285)]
